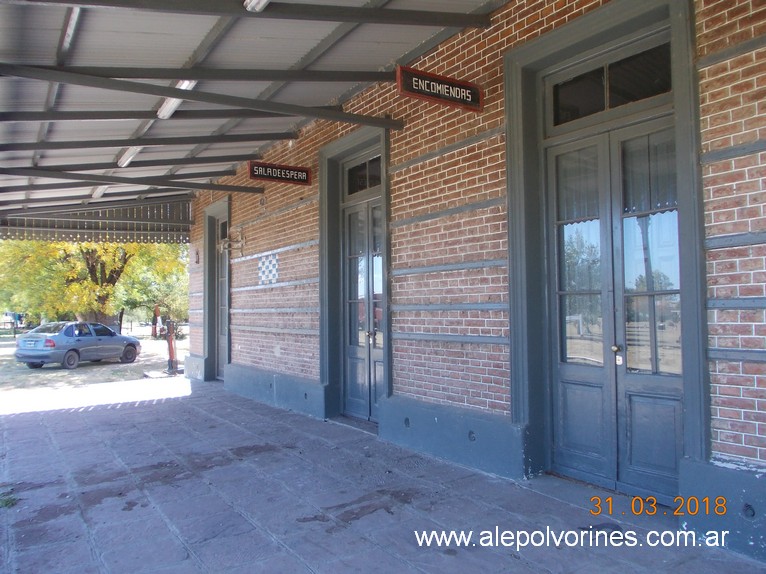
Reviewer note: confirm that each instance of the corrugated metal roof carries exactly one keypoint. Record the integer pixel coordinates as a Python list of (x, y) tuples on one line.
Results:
[(94, 40)]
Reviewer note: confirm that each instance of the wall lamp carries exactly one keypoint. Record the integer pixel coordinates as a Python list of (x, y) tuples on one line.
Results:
[(233, 243)]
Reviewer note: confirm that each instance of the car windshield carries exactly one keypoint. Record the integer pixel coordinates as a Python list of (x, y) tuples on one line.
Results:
[(49, 327)]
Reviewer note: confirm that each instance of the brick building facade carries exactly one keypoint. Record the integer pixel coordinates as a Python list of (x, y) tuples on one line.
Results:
[(416, 283)]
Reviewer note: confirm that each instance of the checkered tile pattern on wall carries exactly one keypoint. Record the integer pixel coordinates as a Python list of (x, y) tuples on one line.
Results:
[(268, 269)]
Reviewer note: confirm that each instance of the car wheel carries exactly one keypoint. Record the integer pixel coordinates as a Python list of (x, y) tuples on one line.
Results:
[(35, 365), (128, 354), (71, 360)]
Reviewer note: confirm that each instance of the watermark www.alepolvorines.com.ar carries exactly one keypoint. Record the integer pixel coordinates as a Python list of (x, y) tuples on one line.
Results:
[(584, 538)]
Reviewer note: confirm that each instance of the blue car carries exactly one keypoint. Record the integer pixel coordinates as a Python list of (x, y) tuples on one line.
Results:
[(69, 342)]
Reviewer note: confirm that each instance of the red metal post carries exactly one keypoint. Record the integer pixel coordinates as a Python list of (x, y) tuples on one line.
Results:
[(170, 334)]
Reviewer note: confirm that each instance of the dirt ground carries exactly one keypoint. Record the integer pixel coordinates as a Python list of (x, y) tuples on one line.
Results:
[(153, 359)]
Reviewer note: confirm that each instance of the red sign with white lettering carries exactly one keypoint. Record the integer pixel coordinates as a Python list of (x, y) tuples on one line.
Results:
[(281, 173), (451, 92)]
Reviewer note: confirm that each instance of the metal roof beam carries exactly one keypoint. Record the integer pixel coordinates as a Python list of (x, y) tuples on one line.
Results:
[(77, 184), (284, 11), (197, 160), (161, 181), (51, 75), (117, 115), (225, 75), (147, 142), (66, 42)]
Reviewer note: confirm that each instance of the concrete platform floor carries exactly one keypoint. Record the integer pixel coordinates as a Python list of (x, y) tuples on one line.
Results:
[(168, 476)]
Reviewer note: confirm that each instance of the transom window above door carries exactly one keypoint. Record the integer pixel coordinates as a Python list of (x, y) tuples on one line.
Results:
[(611, 85), (363, 176)]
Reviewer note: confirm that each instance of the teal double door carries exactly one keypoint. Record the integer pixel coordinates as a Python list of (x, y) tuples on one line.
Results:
[(615, 302), (364, 309)]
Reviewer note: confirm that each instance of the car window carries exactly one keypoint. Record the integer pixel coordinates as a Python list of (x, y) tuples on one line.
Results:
[(82, 330), (101, 330), (54, 327), (69, 331)]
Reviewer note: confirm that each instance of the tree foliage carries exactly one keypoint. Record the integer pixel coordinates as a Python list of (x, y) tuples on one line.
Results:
[(158, 278), (59, 280)]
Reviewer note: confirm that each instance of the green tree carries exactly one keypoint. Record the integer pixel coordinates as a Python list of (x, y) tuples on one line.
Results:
[(158, 278), (59, 280)]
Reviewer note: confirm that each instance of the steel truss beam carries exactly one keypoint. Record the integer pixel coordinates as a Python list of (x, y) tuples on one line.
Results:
[(148, 142), (52, 75), (228, 74), (78, 184), (152, 181), (284, 11)]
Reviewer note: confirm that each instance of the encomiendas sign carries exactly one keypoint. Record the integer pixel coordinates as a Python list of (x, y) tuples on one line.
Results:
[(440, 89)]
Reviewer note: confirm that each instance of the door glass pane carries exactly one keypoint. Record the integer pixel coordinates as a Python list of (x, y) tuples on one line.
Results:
[(377, 324), (653, 332), (579, 97), (377, 229), (651, 260), (357, 234), (357, 323), (223, 320), (377, 300), (650, 243), (668, 314), (581, 329), (355, 287), (579, 253), (377, 277), (641, 76), (580, 256), (648, 173), (662, 166), (577, 184), (356, 273), (638, 334), (361, 278), (635, 176)]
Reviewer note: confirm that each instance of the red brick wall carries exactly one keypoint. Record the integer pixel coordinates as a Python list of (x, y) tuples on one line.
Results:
[(732, 113), (722, 24), (732, 100), (428, 370), (739, 409)]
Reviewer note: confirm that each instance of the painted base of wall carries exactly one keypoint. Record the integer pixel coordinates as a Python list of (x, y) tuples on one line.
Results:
[(279, 390), (745, 493), (478, 440), (194, 367)]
